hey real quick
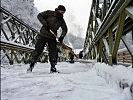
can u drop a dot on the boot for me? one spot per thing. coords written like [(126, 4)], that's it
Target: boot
[(53, 69)]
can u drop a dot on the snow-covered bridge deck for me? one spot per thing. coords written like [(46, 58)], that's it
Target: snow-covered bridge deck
[(78, 81)]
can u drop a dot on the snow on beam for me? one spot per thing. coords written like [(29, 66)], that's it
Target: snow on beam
[(4, 21), (129, 11)]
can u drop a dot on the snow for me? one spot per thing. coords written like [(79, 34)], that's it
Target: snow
[(125, 49), (130, 10), (106, 46), (23, 9), (77, 51), (78, 81)]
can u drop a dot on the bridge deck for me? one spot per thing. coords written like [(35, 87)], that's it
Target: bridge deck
[(76, 81)]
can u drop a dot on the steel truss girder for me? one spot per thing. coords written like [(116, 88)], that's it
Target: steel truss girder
[(105, 28), (17, 40)]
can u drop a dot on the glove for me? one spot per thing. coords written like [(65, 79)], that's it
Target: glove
[(61, 39)]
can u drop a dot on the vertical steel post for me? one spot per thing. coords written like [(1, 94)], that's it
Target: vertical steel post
[(118, 36)]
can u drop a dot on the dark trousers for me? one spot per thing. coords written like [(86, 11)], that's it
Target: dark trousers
[(39, 47)]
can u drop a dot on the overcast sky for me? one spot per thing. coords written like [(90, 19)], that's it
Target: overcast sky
[(77, 13)]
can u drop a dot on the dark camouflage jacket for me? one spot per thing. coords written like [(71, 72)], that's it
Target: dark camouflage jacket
[(54, 20)]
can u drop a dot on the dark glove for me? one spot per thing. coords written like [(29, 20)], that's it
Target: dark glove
[(61, 39)]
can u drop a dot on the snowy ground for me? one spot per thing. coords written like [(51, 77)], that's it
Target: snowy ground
[(78, 81)]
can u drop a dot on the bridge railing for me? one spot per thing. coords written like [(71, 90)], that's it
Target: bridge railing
[(109, 22), (17, 40)]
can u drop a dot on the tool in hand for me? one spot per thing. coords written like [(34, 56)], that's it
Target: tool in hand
[(64, 44)]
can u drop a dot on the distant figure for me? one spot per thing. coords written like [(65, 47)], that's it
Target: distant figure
[(71, 57), (81, 54), (50, 20)]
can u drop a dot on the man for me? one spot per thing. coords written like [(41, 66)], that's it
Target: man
[(51, 21), (81, 54), (71, 55)]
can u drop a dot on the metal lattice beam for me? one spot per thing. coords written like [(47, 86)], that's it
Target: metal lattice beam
[(111, 20)]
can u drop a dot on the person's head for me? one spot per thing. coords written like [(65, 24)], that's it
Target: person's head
[(61, 9)]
